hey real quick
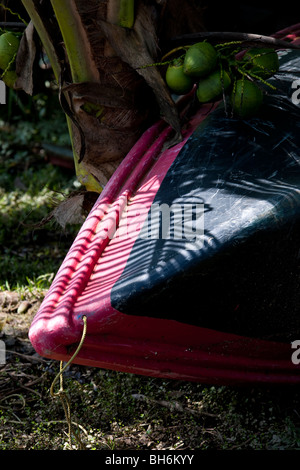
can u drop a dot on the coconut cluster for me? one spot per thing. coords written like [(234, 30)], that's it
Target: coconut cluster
[(216, 74), (9, 45)]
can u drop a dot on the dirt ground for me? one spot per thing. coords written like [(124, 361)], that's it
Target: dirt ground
[(116, 411)]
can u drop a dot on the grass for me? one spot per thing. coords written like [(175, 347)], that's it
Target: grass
[(111, 410), (29, 189)]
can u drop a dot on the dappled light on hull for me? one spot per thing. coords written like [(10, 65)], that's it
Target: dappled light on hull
[(206, 309)]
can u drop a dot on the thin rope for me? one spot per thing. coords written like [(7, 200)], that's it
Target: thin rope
[(62, 394)]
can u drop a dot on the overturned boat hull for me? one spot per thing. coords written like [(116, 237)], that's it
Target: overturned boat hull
[(186, 267)]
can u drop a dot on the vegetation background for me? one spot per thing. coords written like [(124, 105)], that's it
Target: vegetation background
[(109, 410)]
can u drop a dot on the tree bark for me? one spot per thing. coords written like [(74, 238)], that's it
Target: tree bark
[(97, 50)]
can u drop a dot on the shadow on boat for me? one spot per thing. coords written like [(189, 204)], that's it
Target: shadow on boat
[(242, 276)]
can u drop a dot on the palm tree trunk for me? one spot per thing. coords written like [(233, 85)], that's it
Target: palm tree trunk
[(97, 50)]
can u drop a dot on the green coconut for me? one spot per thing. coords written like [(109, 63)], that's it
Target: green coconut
[(211, 88), (9, 78), (263, 62), (176, 79), (9, 45), (200, 59), (246, 98)]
